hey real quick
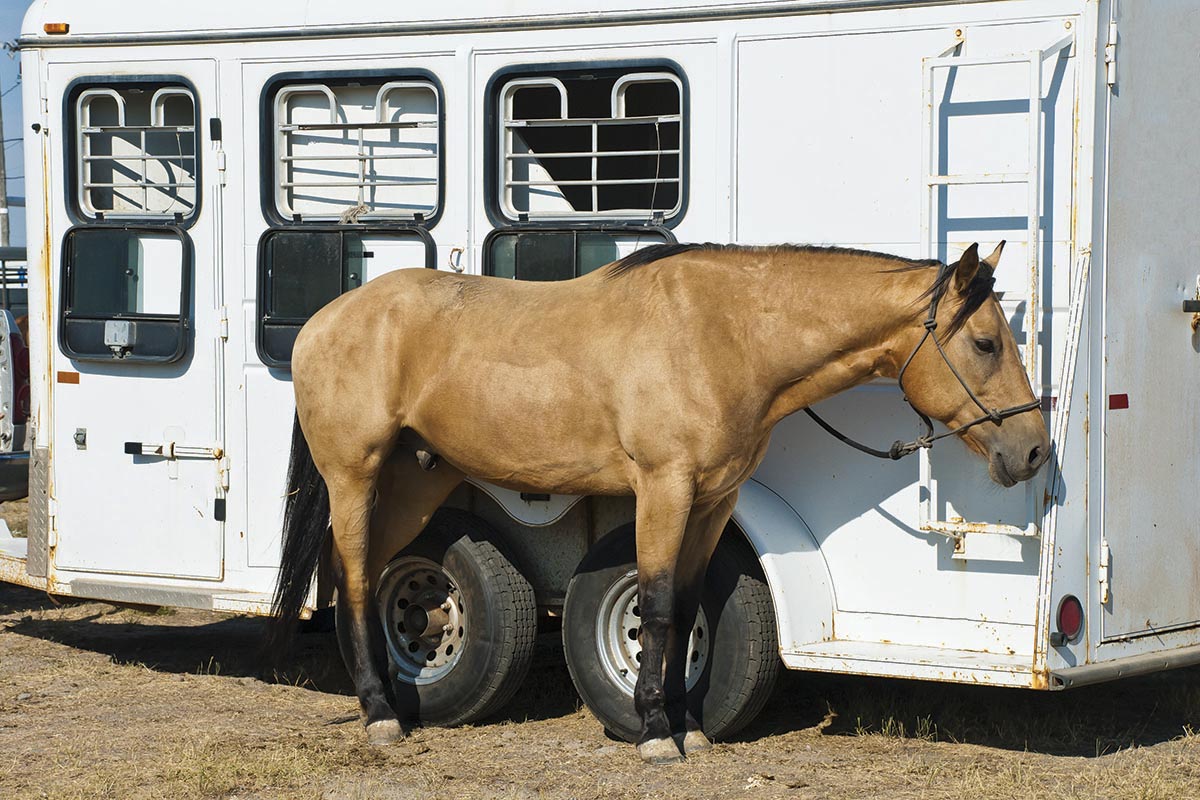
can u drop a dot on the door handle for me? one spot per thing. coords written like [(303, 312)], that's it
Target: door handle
[(172, 450)]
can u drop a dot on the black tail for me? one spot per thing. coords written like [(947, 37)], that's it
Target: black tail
[(305, 526)]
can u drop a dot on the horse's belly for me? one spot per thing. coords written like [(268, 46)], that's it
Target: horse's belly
[(528, 433)]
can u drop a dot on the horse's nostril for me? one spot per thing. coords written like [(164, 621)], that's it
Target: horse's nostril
[(1033, 455)]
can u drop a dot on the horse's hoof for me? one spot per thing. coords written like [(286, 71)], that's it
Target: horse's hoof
[(385, 731), (659, 751), (695, 741)]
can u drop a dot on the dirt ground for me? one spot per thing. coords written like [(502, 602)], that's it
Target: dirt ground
[(104, 702)]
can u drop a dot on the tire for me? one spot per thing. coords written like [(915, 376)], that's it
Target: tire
[(734, 665), (479, 618)]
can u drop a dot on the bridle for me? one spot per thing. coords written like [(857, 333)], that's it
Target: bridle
[(901, 449)]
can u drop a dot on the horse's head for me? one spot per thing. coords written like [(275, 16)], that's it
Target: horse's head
[(978, 342)]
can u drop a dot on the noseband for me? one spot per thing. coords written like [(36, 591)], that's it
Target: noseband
[(901, 449)]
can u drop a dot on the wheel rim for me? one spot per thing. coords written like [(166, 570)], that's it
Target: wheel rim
[(618, 624), (424, 619)]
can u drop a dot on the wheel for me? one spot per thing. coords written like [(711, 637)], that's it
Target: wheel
[(733, 647), (459, 622)]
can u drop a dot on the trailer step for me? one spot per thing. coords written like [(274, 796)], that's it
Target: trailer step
[(913, 661), (199, 597)]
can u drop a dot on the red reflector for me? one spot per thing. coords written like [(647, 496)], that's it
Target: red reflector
[(1116, 401), (1070, 617)]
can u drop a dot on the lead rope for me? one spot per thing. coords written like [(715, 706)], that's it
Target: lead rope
[(900, 449)]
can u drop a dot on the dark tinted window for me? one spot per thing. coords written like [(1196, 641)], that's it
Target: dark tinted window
[(302, 270), (114, 275), (540, 255)]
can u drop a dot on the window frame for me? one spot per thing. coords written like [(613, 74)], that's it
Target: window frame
[(182, 321), (494, 133), (488, 267), (267, 141), (73, 175), (262, 320)]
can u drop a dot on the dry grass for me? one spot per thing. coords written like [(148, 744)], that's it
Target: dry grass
[(102, 703)]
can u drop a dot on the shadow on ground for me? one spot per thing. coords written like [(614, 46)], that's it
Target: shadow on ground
[(192, 643), (1088, 722)]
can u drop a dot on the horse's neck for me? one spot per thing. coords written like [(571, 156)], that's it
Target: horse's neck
[(837, 322)]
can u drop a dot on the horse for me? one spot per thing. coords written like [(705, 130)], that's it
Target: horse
[(660, 375)]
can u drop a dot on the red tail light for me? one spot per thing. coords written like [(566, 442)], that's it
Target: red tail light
[(20, 362), (1070, 618)]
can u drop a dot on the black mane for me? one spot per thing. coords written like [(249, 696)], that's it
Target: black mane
[(976, 294), (658, 252)]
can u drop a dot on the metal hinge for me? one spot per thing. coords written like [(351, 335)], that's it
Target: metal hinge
[(1110, 56), (1105, 557), (52, 521), (223, 323), (221, 166)]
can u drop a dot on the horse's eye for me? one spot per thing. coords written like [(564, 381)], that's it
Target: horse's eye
[(985, 345)]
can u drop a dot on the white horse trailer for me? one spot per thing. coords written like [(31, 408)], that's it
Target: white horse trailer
[(210, 175)]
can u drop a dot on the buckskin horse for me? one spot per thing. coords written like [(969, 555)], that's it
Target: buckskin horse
[(661, 375)]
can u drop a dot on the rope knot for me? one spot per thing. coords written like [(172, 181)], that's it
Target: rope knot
[(931, 325)]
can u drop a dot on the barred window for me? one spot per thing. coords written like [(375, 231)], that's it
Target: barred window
[(135, 151), (603, 144), (354, 150)]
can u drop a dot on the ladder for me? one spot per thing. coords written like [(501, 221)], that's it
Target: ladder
[(931, 236)]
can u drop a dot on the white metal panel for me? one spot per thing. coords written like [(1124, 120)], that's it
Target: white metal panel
[(840, 175), (1152, 352)]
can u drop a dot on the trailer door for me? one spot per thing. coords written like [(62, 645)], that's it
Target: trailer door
[(137, 370), (1149, 559)]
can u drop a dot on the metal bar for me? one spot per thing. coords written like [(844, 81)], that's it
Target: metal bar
[(385, 157), (599, 153), (1126, 667), (172, 157), (1034, 496), (978, 61), (359, 126), (145, 190), (957, 529), (357, 184), (139, 185), (362, 167), (579, 122), (925, 486), (595, 170), (138, 128), (978, 179), (607, 182)]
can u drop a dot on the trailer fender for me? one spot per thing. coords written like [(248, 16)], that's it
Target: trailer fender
[(534, 510), (795, 568)]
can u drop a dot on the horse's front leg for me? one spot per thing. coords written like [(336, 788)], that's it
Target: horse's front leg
[(704, 528), (663, 505), (358, 628)]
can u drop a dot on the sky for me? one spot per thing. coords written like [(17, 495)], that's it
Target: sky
[(11, 13)]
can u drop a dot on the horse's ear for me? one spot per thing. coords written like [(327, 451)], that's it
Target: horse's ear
[(966, 268), (994, 259)]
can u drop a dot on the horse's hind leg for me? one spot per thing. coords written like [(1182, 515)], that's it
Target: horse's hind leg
[(663, 506), (705, 526), (350, 501), (406, 497)]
